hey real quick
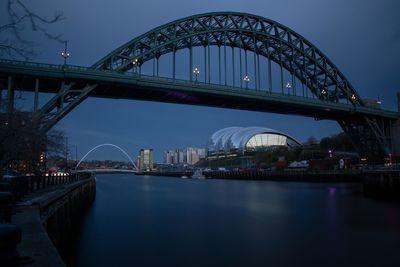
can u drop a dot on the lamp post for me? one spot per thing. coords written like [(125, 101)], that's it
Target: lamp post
[(65, 54), (135, 63), (72, 153), (196, 73), (247, 80), (288, 87)]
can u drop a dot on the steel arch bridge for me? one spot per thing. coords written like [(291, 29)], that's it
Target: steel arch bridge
[(239, 54)]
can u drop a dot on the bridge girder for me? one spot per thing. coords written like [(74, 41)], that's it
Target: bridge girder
[(370, 135), (244, 31), (62, 103)]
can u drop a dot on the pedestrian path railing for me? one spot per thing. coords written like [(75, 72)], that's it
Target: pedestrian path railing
[(23, 185)]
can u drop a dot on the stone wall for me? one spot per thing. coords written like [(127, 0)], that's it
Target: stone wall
[(61, 217), (46, 220), (396, 138), (395, 131)]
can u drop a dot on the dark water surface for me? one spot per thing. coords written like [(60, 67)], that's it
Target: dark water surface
[(160, 221)]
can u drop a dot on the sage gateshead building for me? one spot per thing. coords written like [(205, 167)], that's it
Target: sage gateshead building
[(233, 141)]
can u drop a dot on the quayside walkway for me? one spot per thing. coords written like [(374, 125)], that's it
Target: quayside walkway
[(45, 209)]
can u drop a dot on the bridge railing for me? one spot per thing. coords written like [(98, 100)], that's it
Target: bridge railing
[(310, 99), (23, 185), (235, 89), (175, 81), (42, 65)]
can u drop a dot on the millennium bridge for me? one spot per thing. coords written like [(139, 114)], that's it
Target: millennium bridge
[(222, 59)]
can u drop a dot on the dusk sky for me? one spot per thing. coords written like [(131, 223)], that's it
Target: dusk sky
[(362, 37)]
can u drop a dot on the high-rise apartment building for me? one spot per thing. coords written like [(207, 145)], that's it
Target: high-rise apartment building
[(145, 159), (190, 155)]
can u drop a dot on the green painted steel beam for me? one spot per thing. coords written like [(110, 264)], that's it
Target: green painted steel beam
[(316, 67), (107, 78)]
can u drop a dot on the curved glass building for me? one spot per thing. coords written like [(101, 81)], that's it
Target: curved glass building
[(242, 139)]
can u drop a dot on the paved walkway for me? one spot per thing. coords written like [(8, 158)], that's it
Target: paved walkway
[(35, 243)]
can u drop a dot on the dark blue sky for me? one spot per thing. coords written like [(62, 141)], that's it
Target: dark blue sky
[(362, 37)]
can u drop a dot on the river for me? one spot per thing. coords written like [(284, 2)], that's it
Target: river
[(165, 221)]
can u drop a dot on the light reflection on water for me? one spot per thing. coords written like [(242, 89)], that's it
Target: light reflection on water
[(159, 221)]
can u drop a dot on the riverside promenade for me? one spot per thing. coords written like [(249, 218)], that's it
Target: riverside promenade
[(44, 215)]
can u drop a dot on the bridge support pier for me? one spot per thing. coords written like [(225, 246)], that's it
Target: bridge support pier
[(371, 136), (396, 138), (395, 129)]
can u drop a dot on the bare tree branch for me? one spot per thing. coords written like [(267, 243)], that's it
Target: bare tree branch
[(20, 19)]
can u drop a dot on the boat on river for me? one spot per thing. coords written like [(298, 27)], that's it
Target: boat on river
[(198, 174)]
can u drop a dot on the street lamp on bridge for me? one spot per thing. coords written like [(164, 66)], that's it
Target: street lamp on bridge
[(135, 63), (196, 73), (65, 54), (288, 87), (247, 80)]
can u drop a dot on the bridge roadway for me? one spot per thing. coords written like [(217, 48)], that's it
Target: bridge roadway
[(112, 84)]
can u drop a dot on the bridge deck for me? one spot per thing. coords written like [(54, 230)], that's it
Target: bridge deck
[(112, 84)]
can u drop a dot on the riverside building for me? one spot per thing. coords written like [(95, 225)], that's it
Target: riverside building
[(145, 159), (234, 141), (189, 155)]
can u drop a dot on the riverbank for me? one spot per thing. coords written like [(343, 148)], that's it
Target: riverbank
[(378, 183), (347, 175), (45, 218)]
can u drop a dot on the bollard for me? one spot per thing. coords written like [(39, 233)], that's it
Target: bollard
[(6, 204), (10, 237)]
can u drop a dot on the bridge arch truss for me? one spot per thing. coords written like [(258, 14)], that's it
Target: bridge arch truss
[(250, 34)]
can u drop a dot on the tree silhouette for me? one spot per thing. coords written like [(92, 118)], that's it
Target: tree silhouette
[(20, 18), (20, 138)]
